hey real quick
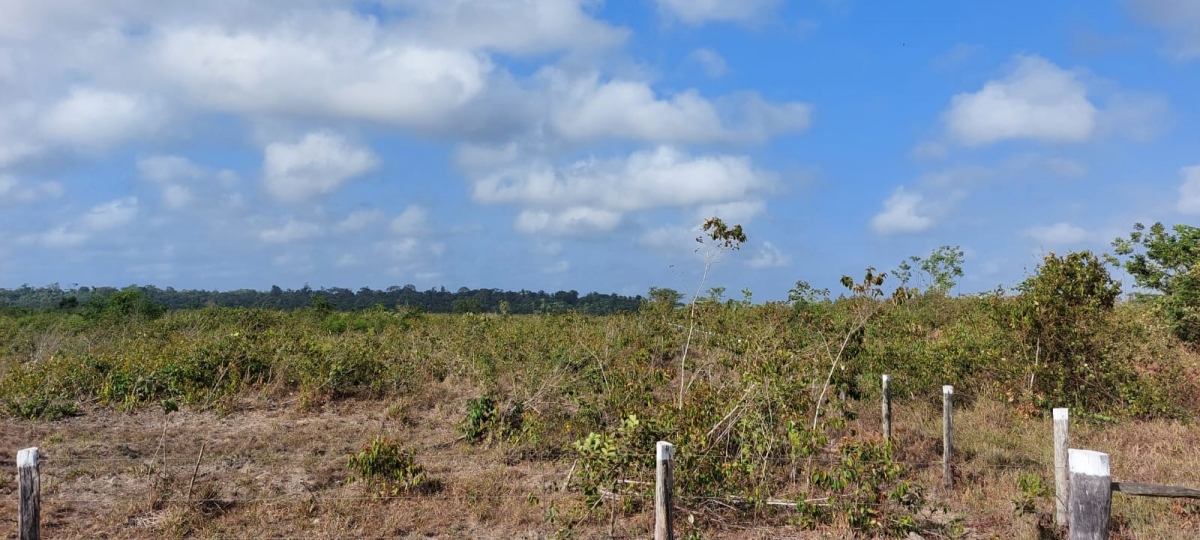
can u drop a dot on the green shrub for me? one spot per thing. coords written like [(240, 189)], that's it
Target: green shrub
[(389, 469), (1063, 317)]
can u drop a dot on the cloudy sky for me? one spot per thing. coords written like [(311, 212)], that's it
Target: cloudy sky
[(578, 144)]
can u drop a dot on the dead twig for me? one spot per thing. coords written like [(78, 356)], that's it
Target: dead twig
[(195, 470)]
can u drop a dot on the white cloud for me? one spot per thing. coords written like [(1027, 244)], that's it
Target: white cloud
[(317, 165), (769, 256), (12, 190), (575, 220), (696, 12), (593, 194), (661, 177), (1189, 191), (1179, 18), (410, 252), (59, 237), (1059, 234), (710, 61), (14, 152), (95, 118), (109, 215), (176, 197), (410, 222), (290, 231), (902, 213), (185, 184), (358, 220), (165, 169), (671, 237), (341, 66), (586, 108), (1036, 100), (100, 218), (736, 212), (512, 26)]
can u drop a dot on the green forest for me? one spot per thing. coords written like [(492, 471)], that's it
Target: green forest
[(439, 300)]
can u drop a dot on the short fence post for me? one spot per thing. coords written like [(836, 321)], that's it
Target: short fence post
[(664, 486), (887, 408), (1062, 478), (1091, 495), (947, 435), (29, 485)]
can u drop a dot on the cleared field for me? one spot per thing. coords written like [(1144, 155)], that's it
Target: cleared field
[(234, 423)]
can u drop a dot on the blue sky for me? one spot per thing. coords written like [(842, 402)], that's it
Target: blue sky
[(579, 144)]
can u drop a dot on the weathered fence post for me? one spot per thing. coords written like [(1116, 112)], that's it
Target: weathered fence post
[(664, 486), (1091, 495), (29, 500), (947, 435), (1062, 478), (887, 407)]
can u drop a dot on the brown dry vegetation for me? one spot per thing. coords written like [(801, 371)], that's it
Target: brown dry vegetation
[(279, 401), (273, 470)]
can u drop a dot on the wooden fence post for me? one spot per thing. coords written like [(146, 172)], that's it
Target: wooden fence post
[(1091, 494), (1062, 478), (887, 407), (29, 500), (664, 486), (947, 435)]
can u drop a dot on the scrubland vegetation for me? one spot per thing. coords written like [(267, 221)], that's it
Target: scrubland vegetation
[(468, 425)]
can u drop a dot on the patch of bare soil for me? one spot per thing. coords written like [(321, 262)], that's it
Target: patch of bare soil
[(274, 471)]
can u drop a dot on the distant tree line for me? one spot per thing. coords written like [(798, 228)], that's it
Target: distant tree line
[(439, 300)]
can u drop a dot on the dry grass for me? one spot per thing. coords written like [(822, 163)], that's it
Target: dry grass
[(273, 469)]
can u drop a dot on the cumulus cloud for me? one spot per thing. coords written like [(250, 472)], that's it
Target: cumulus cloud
[(1179, 18), (410, 222), (358, 220), (14, 152), (1038, 100), (671, 237), (109, 215), (316, 165), (769, 256), (166, 169), (176, 196), (96, 118), (410, 253), (1189, 191), (1035, 100), (730, 212), (290, 231), (1058, 234), (697, 12), (710, 61), (574, 220), (588, 108), (593, 194), (903, 212), (100, 218), (184, 183), (340, 67), (512, 26), (13, 190)]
